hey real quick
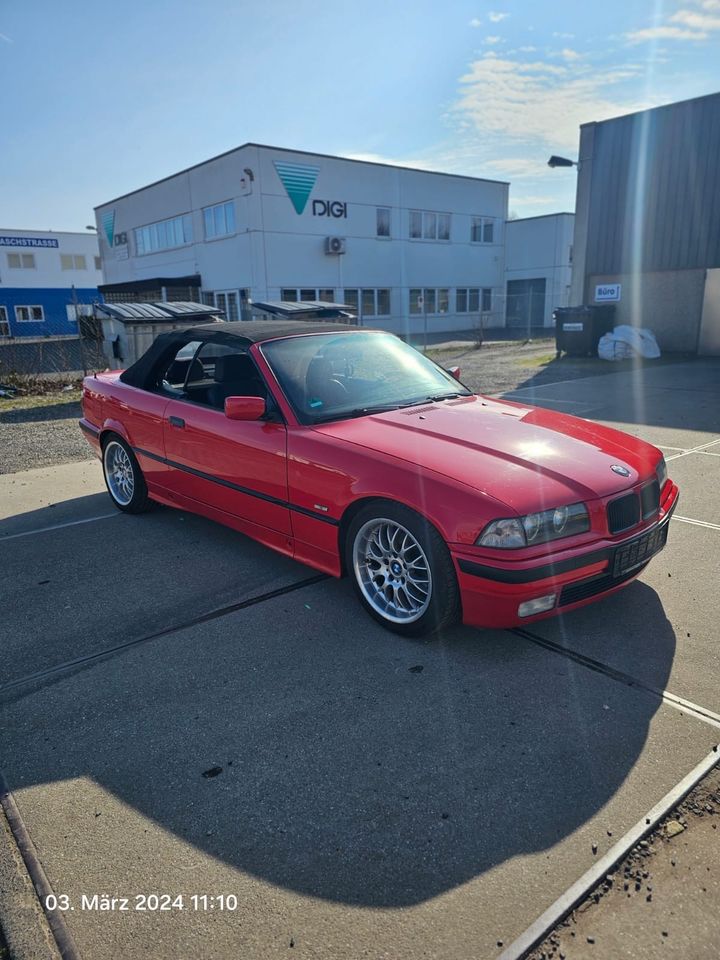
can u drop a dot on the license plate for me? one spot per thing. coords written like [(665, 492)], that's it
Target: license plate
[(638, 551)]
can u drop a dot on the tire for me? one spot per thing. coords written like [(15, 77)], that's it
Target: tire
[(123, 477), (401, 569)]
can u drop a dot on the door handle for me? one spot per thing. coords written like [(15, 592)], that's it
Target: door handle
[(176, 422)]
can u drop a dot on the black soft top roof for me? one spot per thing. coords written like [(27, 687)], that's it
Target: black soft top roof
[(166, 345)]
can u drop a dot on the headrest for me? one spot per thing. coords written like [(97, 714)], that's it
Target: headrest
[(234, 366), (319, 370)]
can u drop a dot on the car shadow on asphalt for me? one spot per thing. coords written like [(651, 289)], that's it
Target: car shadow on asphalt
[(299, 742)]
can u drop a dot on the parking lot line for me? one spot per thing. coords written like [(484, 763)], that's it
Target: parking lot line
[(699, 449), (548, 920), (698, 523), (671, 699), (59, 526)]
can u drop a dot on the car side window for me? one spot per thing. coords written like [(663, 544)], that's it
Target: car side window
[(176, 373), (216, 371)]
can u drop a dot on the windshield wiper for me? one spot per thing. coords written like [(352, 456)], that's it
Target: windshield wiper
[(448, 396), (360, 412)]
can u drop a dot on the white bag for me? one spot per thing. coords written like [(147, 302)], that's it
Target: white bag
[(626, 342)]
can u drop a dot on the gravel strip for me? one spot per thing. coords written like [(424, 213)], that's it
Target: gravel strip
[(41, 436)]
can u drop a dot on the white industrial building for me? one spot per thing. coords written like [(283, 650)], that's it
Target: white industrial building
[(538, 268), (263, 223)]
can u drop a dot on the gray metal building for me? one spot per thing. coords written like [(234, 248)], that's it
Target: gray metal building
[(647, 224)]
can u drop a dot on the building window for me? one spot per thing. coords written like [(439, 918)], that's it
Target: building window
[(308, 295), (383, 221), (351, 300), (225, 300), (482, 230), (163, 235), (426, 225), (4, 323), (21, 261), (73, 261), (29, 314), (486, 300), (429, 300), (369, 302), (219, 220), (467, 300), (383, 302)]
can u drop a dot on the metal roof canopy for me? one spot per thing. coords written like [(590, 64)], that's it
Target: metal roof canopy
[(160, 312), (296, 308)]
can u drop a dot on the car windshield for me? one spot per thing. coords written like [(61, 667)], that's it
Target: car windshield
[(334, 377)]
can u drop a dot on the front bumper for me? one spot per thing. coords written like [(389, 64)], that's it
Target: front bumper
[(492, 592)]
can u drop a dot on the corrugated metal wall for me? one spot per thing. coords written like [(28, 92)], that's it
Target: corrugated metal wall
[(655, 190)]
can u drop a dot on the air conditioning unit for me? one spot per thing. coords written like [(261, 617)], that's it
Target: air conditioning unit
[(335, 245)]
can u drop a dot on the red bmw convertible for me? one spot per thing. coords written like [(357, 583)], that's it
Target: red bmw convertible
[(350, 451)]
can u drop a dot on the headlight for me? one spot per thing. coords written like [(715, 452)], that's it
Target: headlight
[(661, 472), (536, 527)]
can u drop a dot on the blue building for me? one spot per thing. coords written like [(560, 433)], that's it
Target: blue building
[(47, 279)]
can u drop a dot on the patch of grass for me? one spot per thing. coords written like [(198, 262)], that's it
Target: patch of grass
[(542, 361), (32, 401)]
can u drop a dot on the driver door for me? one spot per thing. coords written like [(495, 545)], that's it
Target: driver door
[(238, 468)]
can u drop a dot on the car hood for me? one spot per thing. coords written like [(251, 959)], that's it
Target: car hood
[(527, 457)]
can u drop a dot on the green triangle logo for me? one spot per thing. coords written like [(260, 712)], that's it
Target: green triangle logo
[(298, 180), (108, 222)]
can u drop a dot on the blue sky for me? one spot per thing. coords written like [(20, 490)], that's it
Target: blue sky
[(101, 98)]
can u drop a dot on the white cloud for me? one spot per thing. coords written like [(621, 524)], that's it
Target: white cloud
[(527, 49), (568, 36), (534, 200), (5, 38), (538, 102), (696, 21), (492, 41), (475, 22), (664, 33), (684, 24), (495, 17), (569, 55)]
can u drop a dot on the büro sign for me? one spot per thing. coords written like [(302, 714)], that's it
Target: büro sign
[(606, 292)]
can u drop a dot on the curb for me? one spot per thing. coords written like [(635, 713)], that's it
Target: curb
[(564, 905), (24, 924)]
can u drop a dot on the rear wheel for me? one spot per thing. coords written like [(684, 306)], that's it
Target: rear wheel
[(123, 476), (402, 570)]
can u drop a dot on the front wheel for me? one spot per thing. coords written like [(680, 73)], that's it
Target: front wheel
[(401, 570), (123, 477)]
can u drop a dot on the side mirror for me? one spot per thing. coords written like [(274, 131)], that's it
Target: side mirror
[(244, 408), (454, 372)]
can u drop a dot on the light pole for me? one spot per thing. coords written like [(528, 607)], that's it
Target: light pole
[(562, 162)]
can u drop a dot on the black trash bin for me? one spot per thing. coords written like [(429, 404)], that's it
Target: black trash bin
[(578, 329)]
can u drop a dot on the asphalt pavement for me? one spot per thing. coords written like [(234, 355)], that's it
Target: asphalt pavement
[(187, 714)]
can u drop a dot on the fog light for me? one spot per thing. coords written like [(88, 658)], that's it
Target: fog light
[(540, 605)]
